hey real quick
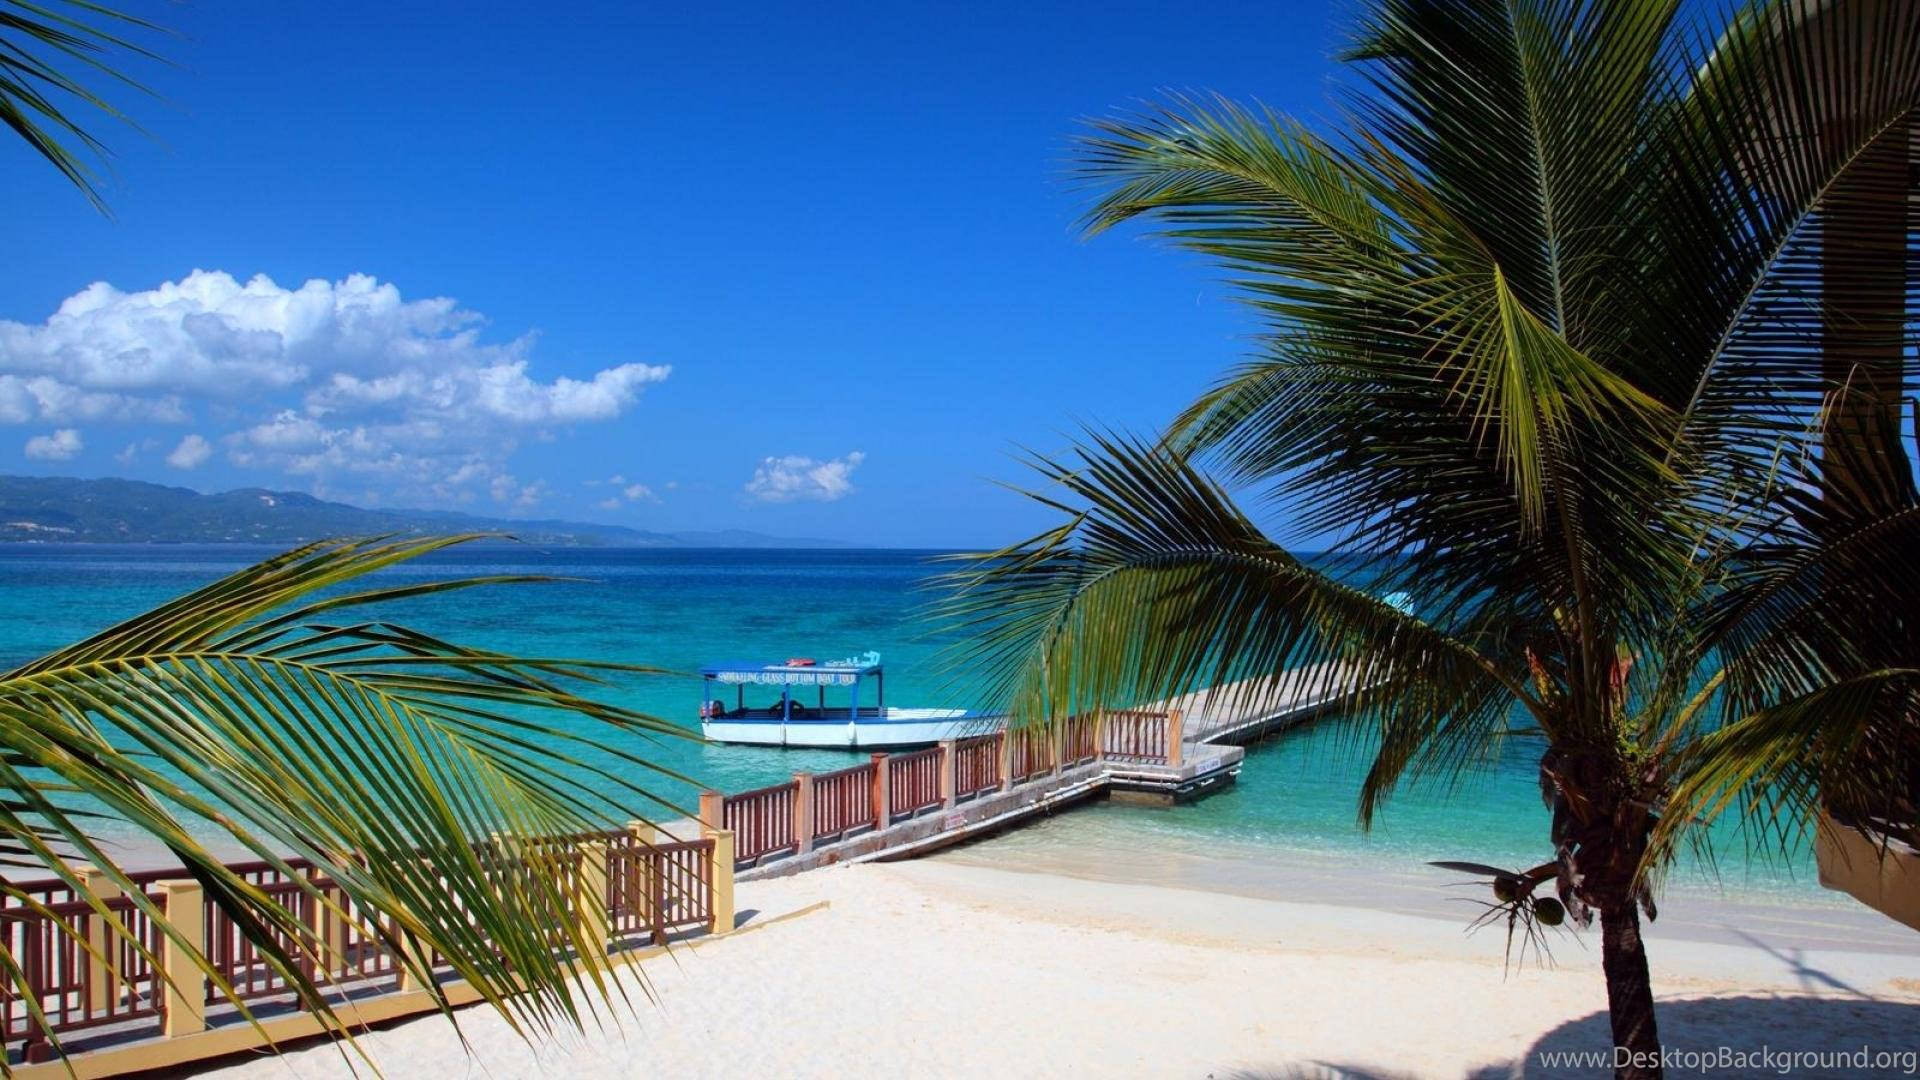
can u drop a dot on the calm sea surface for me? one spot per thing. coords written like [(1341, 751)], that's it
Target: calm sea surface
[(678, 609)]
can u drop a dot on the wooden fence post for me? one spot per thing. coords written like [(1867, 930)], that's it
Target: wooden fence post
[(802, 812), (1057, 744), (1006, 759), (1176, 737), (882, 810), (103, 975), (721, 872), (713, 810), (949, 774), (590, 906), (183, 984)]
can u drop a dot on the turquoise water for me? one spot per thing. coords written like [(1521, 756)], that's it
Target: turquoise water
[(677, 609)]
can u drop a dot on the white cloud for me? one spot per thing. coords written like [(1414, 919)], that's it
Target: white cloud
[(193, 452), (792, 478), (329, 381), (628, 493), (43, 397), (58, 446), (506, 489)]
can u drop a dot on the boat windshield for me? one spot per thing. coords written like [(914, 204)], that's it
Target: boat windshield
[(791, 679)]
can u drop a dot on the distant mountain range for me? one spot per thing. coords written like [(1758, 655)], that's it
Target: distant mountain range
[(62, 509)]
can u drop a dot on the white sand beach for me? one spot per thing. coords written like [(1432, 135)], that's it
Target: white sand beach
[(950, 967)]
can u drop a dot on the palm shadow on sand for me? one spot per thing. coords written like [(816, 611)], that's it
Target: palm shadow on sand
[(1781, 1023)]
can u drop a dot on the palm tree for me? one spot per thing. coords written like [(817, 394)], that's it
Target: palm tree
[(269, 710), (1547, 348)]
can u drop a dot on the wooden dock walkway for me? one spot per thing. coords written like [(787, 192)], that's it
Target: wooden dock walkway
[(1234, 714), (895, 806)]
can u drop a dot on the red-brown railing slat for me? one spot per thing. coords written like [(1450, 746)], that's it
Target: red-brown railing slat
[(913, 782)]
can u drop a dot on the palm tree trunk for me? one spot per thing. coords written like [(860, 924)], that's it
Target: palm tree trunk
[(1623, 955)]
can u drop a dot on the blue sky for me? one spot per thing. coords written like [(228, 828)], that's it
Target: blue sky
[(807, 270)]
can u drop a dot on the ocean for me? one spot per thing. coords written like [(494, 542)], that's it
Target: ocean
[(677, 609)]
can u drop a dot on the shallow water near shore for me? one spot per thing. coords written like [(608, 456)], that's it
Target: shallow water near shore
[(677, 609)]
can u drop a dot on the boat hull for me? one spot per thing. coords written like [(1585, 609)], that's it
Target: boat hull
[(864, 734)]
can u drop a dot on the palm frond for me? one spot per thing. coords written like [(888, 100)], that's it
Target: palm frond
[(1160, 587), (47, 51), (398, 762)]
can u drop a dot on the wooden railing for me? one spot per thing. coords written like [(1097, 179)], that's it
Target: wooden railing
[(1079, 741), (761, 821), (976, 765), (843, 801), (1148, 737), (656, 889), (74, 989), (85, 977), (787, 819), (1029, 753), (913, 782)]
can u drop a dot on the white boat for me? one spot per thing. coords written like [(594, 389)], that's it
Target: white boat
[(803, 715)]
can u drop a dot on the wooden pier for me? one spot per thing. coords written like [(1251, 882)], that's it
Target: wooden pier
[(895, 806), (127, 1010)]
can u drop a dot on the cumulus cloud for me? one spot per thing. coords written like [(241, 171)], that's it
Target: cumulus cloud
[(626, 492), (793, 478), (56, 446), (506, 489), (332, 380), (193, 452)]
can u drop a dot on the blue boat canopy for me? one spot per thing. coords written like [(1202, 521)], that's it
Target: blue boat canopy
[(782, 673)]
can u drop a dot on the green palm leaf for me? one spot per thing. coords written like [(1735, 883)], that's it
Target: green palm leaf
[(47, 51), (398, 762)]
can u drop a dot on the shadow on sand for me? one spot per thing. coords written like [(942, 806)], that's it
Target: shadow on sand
[(1781, 1024)]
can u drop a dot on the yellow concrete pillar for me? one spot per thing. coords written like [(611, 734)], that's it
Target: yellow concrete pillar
[(722, 874), (882, 804), (333, 917), (411, 951), (803, 811), (713, 810), (590, 901), (103, 975), (949, 774), (183, 985)]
